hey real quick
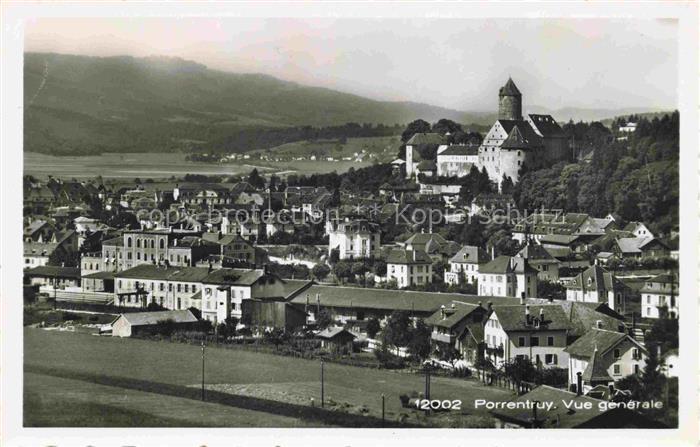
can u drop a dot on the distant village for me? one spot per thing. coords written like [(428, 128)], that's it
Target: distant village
[(577, 294)]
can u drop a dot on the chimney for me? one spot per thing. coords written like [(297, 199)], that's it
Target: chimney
[(414, 254), (541, 315), (211, 267), (493, 253), (599, 324), (479, 303), (579, 384), (489, 305), (611, 388), (175, 242), (527, 314), (442, 311), (522, 297)]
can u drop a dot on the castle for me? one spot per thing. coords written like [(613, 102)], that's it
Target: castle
[(511, 142)]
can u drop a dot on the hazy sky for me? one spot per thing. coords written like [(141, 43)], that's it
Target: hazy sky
[(455, 63)]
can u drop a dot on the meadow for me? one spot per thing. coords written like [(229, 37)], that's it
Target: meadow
[(146, 383)]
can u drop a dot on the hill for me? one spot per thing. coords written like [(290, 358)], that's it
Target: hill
[(86, 105)]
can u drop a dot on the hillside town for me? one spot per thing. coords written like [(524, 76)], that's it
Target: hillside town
[(479, 257)]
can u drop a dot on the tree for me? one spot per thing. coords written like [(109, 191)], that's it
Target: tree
[(506, 185), (227, 328), (373, 327), (64, 258), (379, 267), (255, 179), (397, 331), (419, 344), (520, 369), (444, 126), (417, 126), (342, 270), (320, 271), (324, 319)]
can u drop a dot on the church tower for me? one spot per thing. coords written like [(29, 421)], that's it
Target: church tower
[(510, 102)]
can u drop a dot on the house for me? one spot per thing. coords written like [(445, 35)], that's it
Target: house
[(541, 260), (603, 357), (597, 285), (538, 333), (264, 315), (460, 325), (638, 229), (53, 276), (336, 339), (637, 247), (543, 407), (137, 323), (507, 276), (234, 247), (354, 239), (463, 267), (241, 293), (660, 297), (413, 156), (188, 250), (174, 288), (436, 246), (457, 160), (538, 225), (409, 267)]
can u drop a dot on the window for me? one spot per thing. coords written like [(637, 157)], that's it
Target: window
[(550, 341), (635, 353), (187, 288), (194, 288), (161, 287), (128, 242), (616, 353), (138, 243), (534, 341), (162, 244), (179, 289), (521, 341), (153, 243), (550, 359), (636, 369), (616, 369), (170, 287)]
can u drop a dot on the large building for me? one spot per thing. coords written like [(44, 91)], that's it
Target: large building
[(597, 285), (514, 140), (354, 239), (508, 276), (409, 267), (660, 297)]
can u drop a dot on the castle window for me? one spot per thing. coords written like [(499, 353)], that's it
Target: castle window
[(518, 153)]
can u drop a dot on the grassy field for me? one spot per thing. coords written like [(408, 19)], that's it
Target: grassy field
[(85, 371), (384, 147)]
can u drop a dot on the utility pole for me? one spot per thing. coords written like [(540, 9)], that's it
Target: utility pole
[(427, 383), (383, 419), (322, 393), (203, 346)]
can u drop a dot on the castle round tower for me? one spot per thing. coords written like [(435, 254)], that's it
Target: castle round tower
[(510, 102)]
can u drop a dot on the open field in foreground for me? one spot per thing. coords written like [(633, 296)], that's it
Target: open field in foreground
[(104, 381)]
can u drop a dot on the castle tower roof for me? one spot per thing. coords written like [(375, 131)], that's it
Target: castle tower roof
[(509, 89)]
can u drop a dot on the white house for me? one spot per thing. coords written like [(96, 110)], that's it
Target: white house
[(463, 267), (603, 357), (409, 267), (660, 297), (457, 160), (538, 333), (597, 285), (354, 239), (507, 276)]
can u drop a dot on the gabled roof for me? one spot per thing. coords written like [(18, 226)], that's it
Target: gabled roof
[(469, 255), (601, 339), (401, 256), (228, 276), (595, 278), (334, 332), (536, 252), (546, 125), (151, 318), (507, 264), (512, 318), (525, 130), (509, 89), (515, 140), (453, 313), (586, 316), (595, 370), (425, 138), (636, 244)]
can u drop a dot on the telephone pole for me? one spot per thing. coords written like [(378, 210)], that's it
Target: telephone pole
[(203, 346)]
